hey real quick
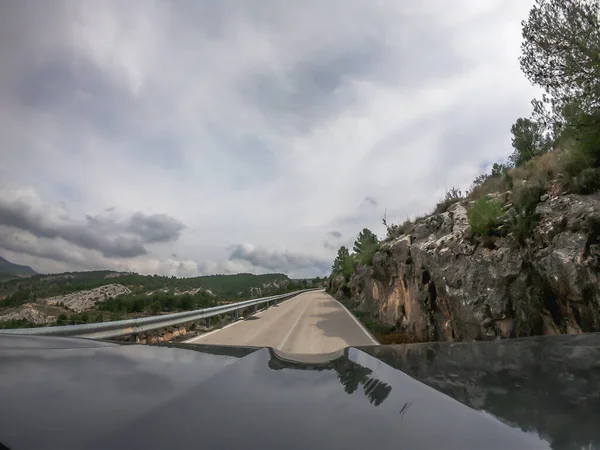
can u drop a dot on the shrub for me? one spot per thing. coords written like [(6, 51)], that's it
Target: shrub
[(484, 216), (366, 256), (349, 265), (587, 182), (62, 320), (395, 337), (490, 185), (18, 298), (543, 168), (452, 196), (573, 160), (17, 323), (525, 201), (155, 307)]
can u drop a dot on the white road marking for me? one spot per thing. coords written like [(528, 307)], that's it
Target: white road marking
[(300, 316), (194, 339), (362, 327)]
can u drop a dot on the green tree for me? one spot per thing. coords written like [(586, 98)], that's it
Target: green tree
[(155, 308), (348, 267), (338, 262), (365, 239), (498, 169), (365, 246), (528, 140), (560, 53), (62, 319)]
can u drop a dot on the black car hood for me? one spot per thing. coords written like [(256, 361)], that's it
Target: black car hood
[(58, 393)]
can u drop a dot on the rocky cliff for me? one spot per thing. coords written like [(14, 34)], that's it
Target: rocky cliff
[(439, 282)]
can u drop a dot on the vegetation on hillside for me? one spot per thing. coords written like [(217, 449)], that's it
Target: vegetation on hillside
[(558, 147), (554, 151), (150, 295), (232, 287), (364, 249)]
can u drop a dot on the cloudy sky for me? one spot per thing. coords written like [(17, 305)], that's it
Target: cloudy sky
[(192, 137)]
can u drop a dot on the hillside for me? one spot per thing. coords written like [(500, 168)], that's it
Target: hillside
[(519, 254), (81, 297), (10, 270)]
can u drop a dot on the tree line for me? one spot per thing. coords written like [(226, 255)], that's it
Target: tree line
[(364, 249), (560, 53)]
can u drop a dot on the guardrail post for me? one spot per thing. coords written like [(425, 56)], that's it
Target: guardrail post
[(208, 322), (255, 308), (236, 314)]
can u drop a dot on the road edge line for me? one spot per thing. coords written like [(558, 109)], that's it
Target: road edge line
[(367, 332)]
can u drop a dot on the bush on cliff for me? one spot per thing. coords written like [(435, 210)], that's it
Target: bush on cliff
[(452, 196), (587, 182), (525, 200), (484, 216)]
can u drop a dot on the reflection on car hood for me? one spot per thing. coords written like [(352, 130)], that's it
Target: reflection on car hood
[(76, 393)]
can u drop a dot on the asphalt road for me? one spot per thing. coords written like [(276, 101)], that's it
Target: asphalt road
[(310, 323)]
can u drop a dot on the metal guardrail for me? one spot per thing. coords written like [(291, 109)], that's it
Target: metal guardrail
[(105, 330)]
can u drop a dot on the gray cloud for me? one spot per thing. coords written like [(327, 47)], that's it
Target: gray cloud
[(329, 246), (126, 238), (269, 108), (369, 201), (154, 228), (14, 242), (278, 260)]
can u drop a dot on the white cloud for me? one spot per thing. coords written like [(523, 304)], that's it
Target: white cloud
[(259, 121)]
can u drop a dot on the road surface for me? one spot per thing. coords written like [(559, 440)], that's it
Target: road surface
[(310, 323)]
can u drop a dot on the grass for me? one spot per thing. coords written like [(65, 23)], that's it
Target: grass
[(491, 185), (587, 182), (452, 196), (385, 334)]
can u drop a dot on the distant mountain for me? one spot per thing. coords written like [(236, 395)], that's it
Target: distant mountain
[(8, 269)]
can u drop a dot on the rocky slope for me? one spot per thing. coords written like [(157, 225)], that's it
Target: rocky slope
[(440, 283), (29, 313), (86, 300)]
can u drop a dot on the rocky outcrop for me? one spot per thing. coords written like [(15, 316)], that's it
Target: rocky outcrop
[(29, 313), (267, 288), (440, 283), (86, 300)]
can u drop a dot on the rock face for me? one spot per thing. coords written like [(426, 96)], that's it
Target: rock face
[(439, 283), (266, 288), (29, 313), (85, 300)]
